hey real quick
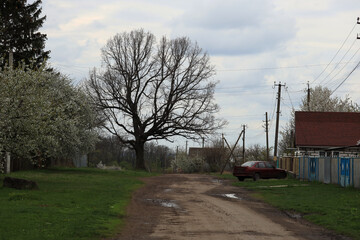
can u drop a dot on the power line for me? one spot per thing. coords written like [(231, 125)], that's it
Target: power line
[(335, 54), (71, 66), (242, 116), (357, 65), (273, 111), (338, 64), (275, 68), (331, 80), (242, 93), (286, 89)]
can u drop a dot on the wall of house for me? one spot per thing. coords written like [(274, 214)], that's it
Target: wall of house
[(324, 169)]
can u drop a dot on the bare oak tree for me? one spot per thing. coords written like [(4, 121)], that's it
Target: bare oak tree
[(151, 91)]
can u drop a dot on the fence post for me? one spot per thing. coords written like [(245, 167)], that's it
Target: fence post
[(352, 172), (338, 171), (8, 165), (303, 167), (317, 168)]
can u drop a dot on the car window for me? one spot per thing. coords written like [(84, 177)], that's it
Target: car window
[(248, 164), (261, 165), (268, 165)]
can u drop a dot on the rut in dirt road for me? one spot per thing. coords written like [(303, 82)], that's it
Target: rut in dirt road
[(201, 207)]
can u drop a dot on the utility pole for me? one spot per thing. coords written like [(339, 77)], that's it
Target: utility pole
[(231, 152), (267, 136), (186, 147), (308, 96), (277, 118), (203, 142), (222, 141), (244, 126)]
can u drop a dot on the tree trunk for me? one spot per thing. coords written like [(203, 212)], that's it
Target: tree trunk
[(140, 160)]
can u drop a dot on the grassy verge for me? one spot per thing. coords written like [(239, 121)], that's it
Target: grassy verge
[(71, 204), (328, 205)]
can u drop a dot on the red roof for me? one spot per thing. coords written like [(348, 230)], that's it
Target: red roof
[(327, 129)]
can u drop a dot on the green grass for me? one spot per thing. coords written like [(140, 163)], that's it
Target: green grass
[(328, 205), (70, 204)]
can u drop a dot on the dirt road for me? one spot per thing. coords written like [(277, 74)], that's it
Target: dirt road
[(181, 206)]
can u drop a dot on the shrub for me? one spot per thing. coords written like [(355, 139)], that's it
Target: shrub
[(186, 164), (126, 165)]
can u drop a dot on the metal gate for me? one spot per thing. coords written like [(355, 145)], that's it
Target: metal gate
[(345, 172), (313, 169)]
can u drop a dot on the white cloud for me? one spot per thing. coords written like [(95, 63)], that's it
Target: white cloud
[(252, 43), (236, 27)]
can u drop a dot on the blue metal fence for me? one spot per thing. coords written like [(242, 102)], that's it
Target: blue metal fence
[(344, 171)]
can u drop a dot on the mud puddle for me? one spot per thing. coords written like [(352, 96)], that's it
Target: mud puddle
[(284, 186), (164, 203), (229, 195), (216, 181)]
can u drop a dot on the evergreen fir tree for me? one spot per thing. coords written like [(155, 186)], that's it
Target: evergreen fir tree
[(19, 25)]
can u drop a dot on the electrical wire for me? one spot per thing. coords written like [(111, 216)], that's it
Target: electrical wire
[(330, 81), (357, 65), (273, 111), (335, 54), (275, 68), (292, 105), (340, 61)]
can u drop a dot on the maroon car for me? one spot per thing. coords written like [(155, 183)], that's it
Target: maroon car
[(257, 170)]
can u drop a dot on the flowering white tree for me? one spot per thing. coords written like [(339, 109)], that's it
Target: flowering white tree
[(43, 116)]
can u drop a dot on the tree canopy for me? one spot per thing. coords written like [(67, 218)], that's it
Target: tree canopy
[(42, 116), (152, 90), (19, 25)]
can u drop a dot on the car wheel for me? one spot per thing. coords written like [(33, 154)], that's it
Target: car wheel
[(241, 179), (256, 177)]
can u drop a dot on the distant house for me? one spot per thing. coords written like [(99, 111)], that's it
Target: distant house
[(197, 152), (205, 152), (327, 133)]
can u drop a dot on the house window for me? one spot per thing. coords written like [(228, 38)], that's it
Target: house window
[(322, 154)]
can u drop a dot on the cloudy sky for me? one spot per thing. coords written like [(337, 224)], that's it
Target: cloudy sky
[(252, 43)]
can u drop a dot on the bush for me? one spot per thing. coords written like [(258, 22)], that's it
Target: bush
[(186, 164), (126, 165)]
